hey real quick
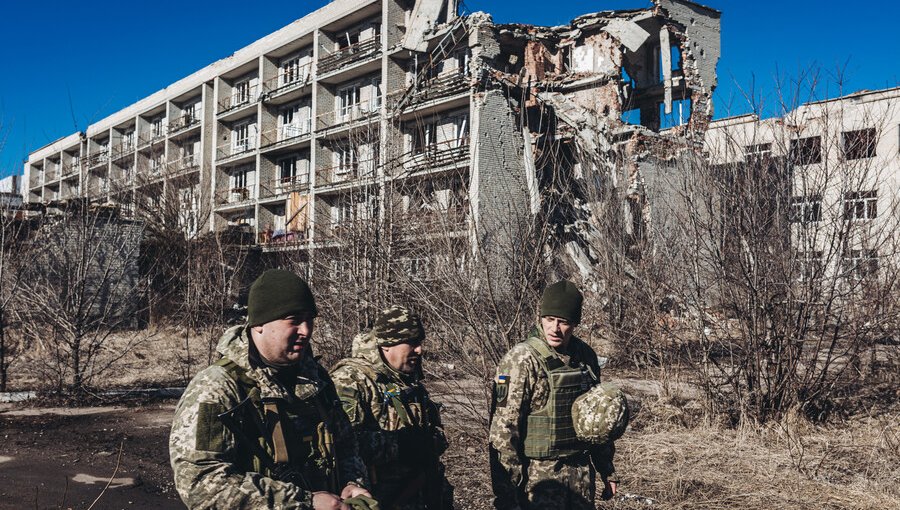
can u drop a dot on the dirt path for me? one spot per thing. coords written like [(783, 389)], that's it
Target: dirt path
[(62, 458)]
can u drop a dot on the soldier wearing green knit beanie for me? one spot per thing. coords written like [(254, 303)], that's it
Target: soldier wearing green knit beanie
[(267, 372), (537, 460)]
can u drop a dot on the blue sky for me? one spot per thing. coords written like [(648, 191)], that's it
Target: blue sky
[(68, 64)]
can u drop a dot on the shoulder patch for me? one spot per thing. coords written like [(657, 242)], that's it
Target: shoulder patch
[(501, 390), (210, 429)]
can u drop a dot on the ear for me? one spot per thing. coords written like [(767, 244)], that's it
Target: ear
[(257, 329)]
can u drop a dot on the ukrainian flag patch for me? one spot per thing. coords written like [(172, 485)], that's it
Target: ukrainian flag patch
[(502, 379)]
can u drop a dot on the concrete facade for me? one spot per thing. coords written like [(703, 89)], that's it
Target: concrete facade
[(839, 161), (320, 124)]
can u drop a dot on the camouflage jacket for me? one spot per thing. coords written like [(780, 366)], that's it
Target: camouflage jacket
[(209, 462), (384, 406), (525, 390)]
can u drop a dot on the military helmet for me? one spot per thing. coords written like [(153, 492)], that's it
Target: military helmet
[(600, 415)]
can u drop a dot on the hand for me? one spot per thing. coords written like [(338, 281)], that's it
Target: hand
[(351, 491), (609, 490), (327, 501)]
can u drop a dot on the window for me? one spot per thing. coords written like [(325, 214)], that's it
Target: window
[(287, 169), (806, 209), (759, 150), (859, 144), (242, 141), (290, 71), (190, 113), (155, 162), (806, 151), (348, 101), (860, 264), (241, 92), (345, 159), (347, 39), (239, 179), (375, 94), (424, 137), (809, 266), (157, 127), (128, 140), (861, 205)]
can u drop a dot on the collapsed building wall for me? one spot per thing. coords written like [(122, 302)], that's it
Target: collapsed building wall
[(601, 107)]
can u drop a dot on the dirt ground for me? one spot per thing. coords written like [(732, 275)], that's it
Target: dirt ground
[(55, 456), (60, 458)]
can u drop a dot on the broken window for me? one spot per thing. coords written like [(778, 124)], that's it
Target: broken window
[(861, 205), (806, 209), (859, 144), (806, 151), (424, 137)]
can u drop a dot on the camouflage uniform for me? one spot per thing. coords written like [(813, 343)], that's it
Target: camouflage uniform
[(394, 419), (215, 469), (521, 389)]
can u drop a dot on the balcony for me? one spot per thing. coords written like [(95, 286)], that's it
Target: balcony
[(184, 122), (51, 173), (353, 53), (433, 221), (238, 98), (346, 172), (346, 230), (282, 238), (286, 82), (97, 160), (122, 150), (285, 135), (438, 154), (365, 110), (235, 196), (285, 185), (184, 165), (71, 168), (151, 138), (439, 87), (233, 150)]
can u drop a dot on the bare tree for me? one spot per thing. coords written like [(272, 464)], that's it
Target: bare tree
[(80, 287)]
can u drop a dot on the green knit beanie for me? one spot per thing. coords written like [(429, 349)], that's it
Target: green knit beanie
[(277, 294), (563, 300)]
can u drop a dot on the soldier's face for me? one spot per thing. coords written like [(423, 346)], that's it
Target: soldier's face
[(405, 358), (557, 331), (284, 341)]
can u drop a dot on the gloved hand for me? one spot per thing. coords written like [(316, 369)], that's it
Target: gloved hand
[(362, 503)]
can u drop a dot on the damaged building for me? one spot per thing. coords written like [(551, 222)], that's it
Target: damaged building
[(410, 110)]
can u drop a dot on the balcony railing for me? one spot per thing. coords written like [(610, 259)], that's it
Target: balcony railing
[(440, 86), (72, 167), (344, 230), (343, 115), (345, 173), (185, 164), (285, 185), (98, 159), (282, 237), (185, 121), (239, 195), (431, 221), (353, 53), (238, 98), (232, 149), (286, 82), (122, 150), (439, 154), (286, 133), (152, 137)]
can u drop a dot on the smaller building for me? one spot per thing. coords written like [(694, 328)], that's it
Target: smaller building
[(11, 192)]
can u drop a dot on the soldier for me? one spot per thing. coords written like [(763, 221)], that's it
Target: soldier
[(537, 462), (263, 427), (396, 422)]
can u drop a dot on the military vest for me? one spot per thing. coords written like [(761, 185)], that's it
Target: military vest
[(550, 433), (286, 440), (401, 406)]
